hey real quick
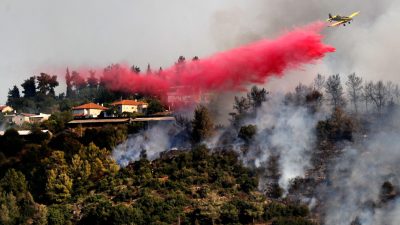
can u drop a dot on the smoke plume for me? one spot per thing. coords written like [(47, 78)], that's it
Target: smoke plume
[(357, 191), (149, 143), (287, 130)]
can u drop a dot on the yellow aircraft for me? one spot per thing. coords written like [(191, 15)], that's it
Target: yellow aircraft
[(339, 20)]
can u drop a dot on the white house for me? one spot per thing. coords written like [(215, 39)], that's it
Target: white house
[(89, 110), (20, 119), (131, 106)]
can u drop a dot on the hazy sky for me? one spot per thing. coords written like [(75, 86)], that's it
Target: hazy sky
[(48, 35)]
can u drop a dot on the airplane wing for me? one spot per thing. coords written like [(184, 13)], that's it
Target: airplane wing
[(354, 14), (337, 23)]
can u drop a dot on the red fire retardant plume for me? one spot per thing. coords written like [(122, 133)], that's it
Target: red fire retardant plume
[(229, 70)]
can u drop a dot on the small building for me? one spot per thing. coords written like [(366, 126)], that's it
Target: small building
[(21, 118), (131, 106), (89, 110), (38, 118), (6, 109), (18, 119)]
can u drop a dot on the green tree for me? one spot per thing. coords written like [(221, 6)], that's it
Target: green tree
[(229, 214), (202, 124), (257, 96), (16, 203), (9, 210), (29, 87), (338, 127), (155, 106), (11, 143), (67, 142), (14, 92), (292, 221), (14, 181), (273, 175), (241, 106), (58, 121), (13, 97), (46, 84), (59, 215), (93, 162), (68, 82), (248, 132), (108, 137), (37, 136), (59, 184)]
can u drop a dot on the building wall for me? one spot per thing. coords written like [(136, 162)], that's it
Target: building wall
[(132, 108), (20, 119), (37, 119), (142, 108), (128, 108), (79, 111), (87, 112), (94, 112)]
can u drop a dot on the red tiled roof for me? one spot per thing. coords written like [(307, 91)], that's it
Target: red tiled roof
[(129, 102), (28, 114), (90, 106), (3, 107)]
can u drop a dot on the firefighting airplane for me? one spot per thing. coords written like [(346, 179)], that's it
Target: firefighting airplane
[(339, 20)]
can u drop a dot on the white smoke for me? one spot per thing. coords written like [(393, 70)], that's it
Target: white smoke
[(289, 130), (357, 179), (3, 123), (153, 141)]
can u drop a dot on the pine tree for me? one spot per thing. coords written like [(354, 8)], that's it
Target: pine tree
[(13, 97), (68, 82), (29, 87), (202, 124), (334, 89)]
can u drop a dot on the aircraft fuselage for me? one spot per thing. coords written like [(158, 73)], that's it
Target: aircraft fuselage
[(341, 18)]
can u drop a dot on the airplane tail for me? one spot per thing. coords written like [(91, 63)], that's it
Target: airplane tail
[(330, 18)]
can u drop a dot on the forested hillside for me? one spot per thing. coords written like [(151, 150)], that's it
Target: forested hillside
[(276, 162)]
